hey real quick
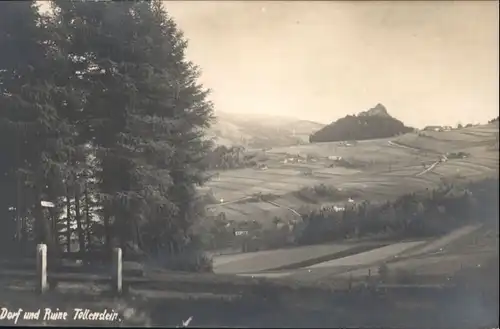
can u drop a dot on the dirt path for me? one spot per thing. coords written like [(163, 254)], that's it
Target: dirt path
[(430, 168), (392, 143)]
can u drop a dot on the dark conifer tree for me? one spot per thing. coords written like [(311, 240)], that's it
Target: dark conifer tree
[(32, 103), (144, 113)]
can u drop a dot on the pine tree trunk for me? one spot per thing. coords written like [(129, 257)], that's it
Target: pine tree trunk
[(24, 233), (55, 233), (107, 232), (68, 219), (23, 213), (138, 235), (172, 248), (53, 222), (19, 223), (78, 217), (87, 214)]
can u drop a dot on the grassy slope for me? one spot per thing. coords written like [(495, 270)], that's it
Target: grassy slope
[(391, 170)]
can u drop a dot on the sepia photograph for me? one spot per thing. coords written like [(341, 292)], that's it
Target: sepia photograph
[(249, 164)]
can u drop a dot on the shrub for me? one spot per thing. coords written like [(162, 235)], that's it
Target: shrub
[(383, 272), (209, 198), (223, 158), (191, 259), (347, 163), (322, 192), (259, 197), (493, 120), (188, 262), (457, 155)]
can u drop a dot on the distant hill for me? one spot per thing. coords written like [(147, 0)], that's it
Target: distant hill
[(371, 124), (260, 131)]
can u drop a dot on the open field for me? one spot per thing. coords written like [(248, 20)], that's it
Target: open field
[(384, 169), (273, 259), (329, 260), (330, 269), (470, 247)]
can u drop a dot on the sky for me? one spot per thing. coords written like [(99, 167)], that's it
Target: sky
[(430, 62)]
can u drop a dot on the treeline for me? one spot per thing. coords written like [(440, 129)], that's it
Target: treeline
[(233, 157), (412, 215), (354, 127), (102, 122), (323, 193)]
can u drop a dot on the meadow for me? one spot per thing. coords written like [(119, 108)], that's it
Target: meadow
[(372, 170)]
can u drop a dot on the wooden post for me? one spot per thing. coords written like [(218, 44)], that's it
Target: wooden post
[(41, 268), (116, 277)]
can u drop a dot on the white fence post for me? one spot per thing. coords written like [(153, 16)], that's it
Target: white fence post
[(117, 271), (41, 268)]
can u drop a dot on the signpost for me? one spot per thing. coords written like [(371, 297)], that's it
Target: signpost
[(238, 233), (47, 204)]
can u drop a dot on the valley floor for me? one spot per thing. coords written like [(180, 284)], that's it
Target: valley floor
[(387, 169)]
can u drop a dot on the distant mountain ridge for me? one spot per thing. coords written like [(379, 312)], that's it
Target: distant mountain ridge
[(260, 130), (371, 124)]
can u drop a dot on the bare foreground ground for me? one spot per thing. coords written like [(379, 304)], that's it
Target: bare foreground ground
[(450, 282)]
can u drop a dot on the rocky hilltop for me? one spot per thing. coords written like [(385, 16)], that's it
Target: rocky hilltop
[(371, 124), (378, 110)]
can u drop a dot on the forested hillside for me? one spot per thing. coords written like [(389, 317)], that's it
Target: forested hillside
[(371, 124)]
